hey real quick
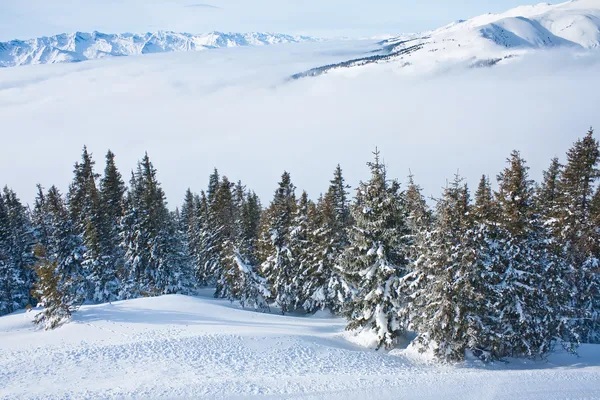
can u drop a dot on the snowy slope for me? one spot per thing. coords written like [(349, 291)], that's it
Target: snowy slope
[(183, 347), (489, 39), (80, 46)]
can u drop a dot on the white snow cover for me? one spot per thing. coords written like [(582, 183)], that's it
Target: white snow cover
[(80, 46), (202, 348), (490, 39)]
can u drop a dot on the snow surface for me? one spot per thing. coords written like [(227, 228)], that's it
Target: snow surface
[(81, 46), (489, 39), (185, 347)]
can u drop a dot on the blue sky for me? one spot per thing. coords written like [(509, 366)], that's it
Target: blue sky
[(30, 18)]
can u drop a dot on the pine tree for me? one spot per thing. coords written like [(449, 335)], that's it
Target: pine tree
[(54, 291), (324, 285), (377, 256), (300, 250), (226, 235), (6, 271), (16, 253), (218, 208), (578, 234), (80, 191), (278, 266), (444, 307), (112, 192), (147, 234), (63, 254), (242, 277), (529, 292), (201, 239)]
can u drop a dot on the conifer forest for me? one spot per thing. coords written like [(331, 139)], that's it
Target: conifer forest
[(509, 268)]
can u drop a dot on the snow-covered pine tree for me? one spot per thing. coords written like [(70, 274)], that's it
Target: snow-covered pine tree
[(209, 256), (53, 291), (250, 217), (240, 280), (178, 276), (187, 226), (226, 234), (61, 281), (201, 240), (419, 217), (278, 266), (79, 197), (324, 285), (90, 218), (579, 233), (112, 191), (16, 253), (529, 293), (485, 341), (6, 271), (444, 303), (146, 233), (301, 251), (40, 219), (377, 256)]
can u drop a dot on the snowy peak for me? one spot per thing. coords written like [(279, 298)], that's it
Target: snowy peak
[(521, 32), (489, 39), (81, 46)]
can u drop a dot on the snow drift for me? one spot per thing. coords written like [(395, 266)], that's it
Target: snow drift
[(185, 347)]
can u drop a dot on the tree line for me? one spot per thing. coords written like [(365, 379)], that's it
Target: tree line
[(506, 272)]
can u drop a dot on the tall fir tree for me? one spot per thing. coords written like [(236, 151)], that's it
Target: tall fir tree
[(147, 229), (240, 280), (278, 266), (324, 285), (529, 294), (302, 256), (579, 233), (61, 256), (377, 256), (16, 253), (112, 196), (443, 307)]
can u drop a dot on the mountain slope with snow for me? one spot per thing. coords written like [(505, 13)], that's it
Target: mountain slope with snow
[(202, 348), (80, 46), (490, 39)]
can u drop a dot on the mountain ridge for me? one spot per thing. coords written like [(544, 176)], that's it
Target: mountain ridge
[(82, 46), (488, 39)]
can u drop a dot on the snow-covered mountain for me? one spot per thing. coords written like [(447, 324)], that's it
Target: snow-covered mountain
[(80, 46), (490, 39)]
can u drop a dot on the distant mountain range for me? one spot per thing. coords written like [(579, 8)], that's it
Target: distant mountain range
[(488, 39), (81, 46)]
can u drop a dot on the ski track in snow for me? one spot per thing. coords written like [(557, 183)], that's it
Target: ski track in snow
[(184, 347)]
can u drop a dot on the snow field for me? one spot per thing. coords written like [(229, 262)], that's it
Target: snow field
[(185, 347)]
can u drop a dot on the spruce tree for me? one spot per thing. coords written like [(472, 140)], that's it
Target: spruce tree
[(16, 253), (63, 252), (54, 291), (443, 310), (278, 266), (300, 250), (240, 280), (112, 191), (377, 256), (147, 233), (578, 231), (324, 285), (529, 294)]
